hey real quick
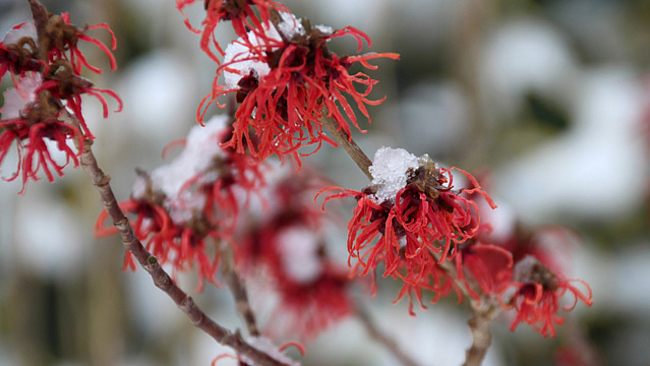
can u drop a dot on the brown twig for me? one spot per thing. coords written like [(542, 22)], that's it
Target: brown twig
[(479, 325), (349, 145), (383, 339), (160, 278), (238, 289), (484, 309)]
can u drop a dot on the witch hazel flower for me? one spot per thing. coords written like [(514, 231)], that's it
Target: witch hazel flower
[(184, 206), (535, 295), (285, 252), (19, 51), (287, 81), (413, 210), (45, 104), (241, 13)]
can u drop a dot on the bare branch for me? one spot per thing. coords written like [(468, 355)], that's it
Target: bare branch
[(384, 339), (160, 278), (348, 144), (238, 289)]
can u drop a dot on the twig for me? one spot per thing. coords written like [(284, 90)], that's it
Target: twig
[(479, 325), (383, 339), (238, 290), (160, 278), (484, 310), (348, 144)]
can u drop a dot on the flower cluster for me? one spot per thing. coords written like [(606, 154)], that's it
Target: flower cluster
[(411, 219), (45, 104), (534, 286), (430, 236), (286, 80), (286, 250), (536, 295), (181, 207)]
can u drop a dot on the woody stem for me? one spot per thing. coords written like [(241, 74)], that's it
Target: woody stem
[(238, 289), (348, 144), (161, 279), (383, 339)]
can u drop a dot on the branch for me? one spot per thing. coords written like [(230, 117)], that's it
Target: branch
[(348, 144), (484, 310), (383, 339), (160, 278), (238, 290), (479, 325)]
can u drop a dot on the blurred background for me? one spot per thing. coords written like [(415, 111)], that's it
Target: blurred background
[(549, 98)]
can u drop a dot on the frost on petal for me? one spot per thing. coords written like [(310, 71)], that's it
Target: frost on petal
[(390, 171), (26, 29), (290, 26), (264, 344), (16, 99), (201, 148), (324, 29), (299, 254), (241, 62)]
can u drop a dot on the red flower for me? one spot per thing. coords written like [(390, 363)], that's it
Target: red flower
[(410, 219), (239, 12), (535, 295), (182, 245), (287, 82), (19, 51), (489, 267), (46, 100), (182, 208), (62, 37), (286, 252), (306, 309)]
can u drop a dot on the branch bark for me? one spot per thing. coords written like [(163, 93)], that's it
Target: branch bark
[(238, 290), (349, 145), (161, 279)]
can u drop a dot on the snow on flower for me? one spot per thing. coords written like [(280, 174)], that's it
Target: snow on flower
[(286, 80), (298, 249), (43, 110), (417, 228), (535, 295), (240, 12), (390, 170), (286, 252), (184, 209)]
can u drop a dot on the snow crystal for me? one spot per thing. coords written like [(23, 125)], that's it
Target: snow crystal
[(389, 171), (324, 29), (299, 254), (525, 268), (264, 344), (26, 29), (139, 189), (201, 147), (16, 99), (240, 62), (290, 26)]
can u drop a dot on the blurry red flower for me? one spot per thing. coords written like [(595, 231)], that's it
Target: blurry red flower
[(535, 295)]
